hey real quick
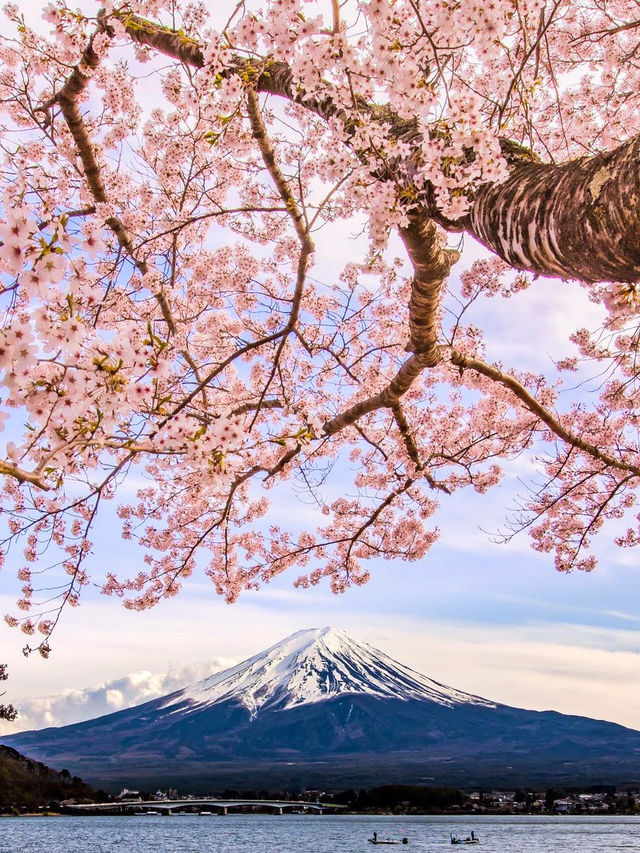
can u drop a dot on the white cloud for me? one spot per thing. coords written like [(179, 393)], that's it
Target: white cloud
[(73, 705), (115, 699)]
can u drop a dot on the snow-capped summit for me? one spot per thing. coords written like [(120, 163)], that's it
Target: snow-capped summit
[(311, 666)]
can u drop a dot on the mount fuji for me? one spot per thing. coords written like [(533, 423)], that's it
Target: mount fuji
[(322, 709), (311, 666)]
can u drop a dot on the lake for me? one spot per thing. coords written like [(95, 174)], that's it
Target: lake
[(314, 834)]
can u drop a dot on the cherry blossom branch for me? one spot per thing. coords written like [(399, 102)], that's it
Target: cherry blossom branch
[(261, 136), (431, 264), (412, 450), (67, 99), (542, 29), (405, 431), (335, 12), (390, 498), (307, 247), (385, 399), (212, 214), (171, 576), (176, 45), (251, 407), (284, 460), (589, 36), (350, 541), (469, 362), (72, 591), (217, 370)]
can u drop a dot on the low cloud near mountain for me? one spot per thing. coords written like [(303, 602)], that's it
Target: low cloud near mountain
[(75, 705)]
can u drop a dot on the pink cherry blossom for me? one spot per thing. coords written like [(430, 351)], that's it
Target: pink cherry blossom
[(168, 186)]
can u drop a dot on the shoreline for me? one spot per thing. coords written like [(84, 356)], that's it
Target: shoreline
[(476, 815)]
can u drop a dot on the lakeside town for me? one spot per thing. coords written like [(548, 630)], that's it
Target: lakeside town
[(391, 800), (410, 799)]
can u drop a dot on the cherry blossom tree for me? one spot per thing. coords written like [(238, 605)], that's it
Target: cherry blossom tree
[(166, 172), (7, 712)]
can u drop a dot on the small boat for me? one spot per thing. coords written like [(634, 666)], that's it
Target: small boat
[(205, 813), (376, 840), (470, 839)]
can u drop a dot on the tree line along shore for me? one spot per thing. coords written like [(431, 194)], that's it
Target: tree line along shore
[(30, 787)]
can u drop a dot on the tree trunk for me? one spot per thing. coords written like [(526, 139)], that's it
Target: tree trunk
[(575, 220)]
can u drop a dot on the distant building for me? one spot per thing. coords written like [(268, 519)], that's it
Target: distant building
[(128, 794), (565, 806)]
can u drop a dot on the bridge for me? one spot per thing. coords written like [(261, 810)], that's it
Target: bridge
[(212, 805)]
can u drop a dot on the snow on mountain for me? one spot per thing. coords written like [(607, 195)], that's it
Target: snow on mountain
[(311, 666)]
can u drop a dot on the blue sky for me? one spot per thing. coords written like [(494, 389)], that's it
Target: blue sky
[(495, 620)]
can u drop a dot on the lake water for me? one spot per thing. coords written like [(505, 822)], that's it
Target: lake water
[(314, 834)]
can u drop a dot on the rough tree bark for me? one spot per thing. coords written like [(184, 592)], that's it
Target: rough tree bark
[(574, 220)]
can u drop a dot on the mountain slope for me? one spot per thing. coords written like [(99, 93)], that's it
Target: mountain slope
[(320, 708)]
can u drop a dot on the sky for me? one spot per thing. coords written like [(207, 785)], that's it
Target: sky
[(491, 619)]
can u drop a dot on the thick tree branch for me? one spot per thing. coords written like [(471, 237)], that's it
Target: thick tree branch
[(67, 99), (261, 136), (171, 43), (34, 478), (431, 265), (575, 220), (385, 399)]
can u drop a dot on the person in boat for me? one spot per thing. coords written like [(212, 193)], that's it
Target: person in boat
[(473, 835), (375, 836)]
